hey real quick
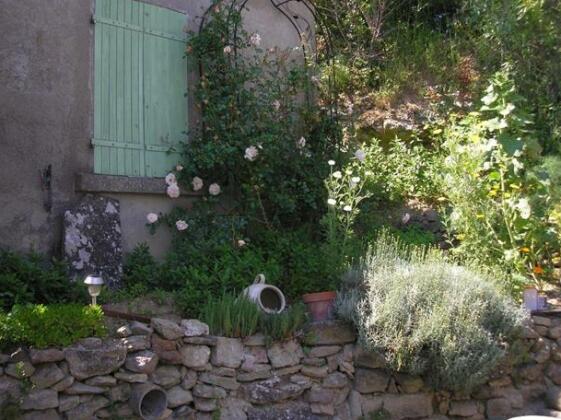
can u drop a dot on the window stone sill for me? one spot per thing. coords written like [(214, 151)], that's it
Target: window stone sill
[(96, 183)]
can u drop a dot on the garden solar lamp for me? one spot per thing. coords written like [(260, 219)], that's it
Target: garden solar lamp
[(94, 287)]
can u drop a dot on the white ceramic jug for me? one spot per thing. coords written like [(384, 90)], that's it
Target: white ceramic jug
[(267, 297)]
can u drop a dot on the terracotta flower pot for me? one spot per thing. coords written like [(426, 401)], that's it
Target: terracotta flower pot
[(320, 305)]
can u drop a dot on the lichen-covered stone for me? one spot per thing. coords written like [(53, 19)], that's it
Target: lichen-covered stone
[(46, 375), (194, 327), (79, 388), (136, 342), (68, 402), (224, 382), (169, 330), (86, 410), (408, 406), (178, 396), (166, 376), (367, 381), (194, 356), (92, 239), (208, 391), (228, 352), (63, 384), (371, 360), (464, 408), (45, 356), (105, 380), (336, 380), (140, 328), (285, 354), (498, 407), (131, 377), (87, 362), (272, 391), (324, 351), (40, 399), (142, 362)]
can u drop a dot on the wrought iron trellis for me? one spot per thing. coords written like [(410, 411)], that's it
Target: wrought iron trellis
[(294, 18)]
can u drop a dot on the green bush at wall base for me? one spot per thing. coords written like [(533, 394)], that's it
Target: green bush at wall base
[(50, 325), (32, 278)]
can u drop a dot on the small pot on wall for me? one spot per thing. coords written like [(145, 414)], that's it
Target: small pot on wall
[(320, 305)]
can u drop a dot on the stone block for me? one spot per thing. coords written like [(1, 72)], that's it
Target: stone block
[(367, 381), (227, 352)]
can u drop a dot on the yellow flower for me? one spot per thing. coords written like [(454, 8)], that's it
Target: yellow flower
[(525, 250)]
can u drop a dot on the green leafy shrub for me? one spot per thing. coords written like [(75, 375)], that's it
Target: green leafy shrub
[(50, 325), (33, 279), (431, 318), (401, 170), (286, 325), (231, 316), (260, 139), (499, 207)]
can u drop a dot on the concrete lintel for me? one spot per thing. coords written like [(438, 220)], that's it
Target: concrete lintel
[(96, 183)]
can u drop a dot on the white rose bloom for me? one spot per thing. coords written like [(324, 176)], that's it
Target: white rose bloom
[(241, 243), (276, 105), (197, 183), (347, 208), (152, 218), (337, 175), (227, 49), (179, 168), (251, 153), (355, 179), (331, 202), (181, 225), (214, 189), (331, 162), (173, 191), (170, 179), (524, 208), (360, 155), (255, 39), (301, 143)]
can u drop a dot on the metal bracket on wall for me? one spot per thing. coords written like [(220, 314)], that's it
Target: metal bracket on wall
[(46, 187)]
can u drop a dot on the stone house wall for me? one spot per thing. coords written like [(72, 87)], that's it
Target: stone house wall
[(323, 375)]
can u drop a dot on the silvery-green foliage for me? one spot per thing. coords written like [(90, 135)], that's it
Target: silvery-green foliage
[(429, 317)]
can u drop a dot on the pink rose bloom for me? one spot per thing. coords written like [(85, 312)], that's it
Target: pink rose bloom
[(251, 153), (241, 243), (152, 218), (227, 49), (179, 168), (170, 179), (173, 191), (214, 189), (181, 225)]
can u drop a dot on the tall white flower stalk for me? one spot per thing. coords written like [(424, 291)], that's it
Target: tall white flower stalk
[(345, 192)]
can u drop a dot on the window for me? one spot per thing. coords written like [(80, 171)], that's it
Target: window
[(140, 80)]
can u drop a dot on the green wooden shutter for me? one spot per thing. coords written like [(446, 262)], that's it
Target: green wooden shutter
[(140, 109)]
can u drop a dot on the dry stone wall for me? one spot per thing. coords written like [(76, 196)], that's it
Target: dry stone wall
[(323, 375)]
